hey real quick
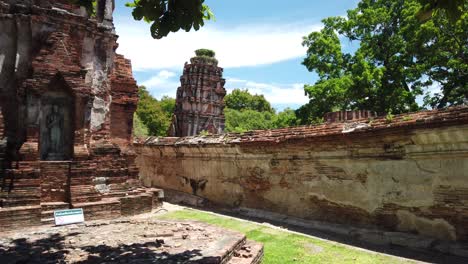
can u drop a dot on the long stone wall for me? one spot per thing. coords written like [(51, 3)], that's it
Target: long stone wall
[(407, 173)]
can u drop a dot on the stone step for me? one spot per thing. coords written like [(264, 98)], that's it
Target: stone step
[(18, 217), (114, 194), (54, 206), (119, 189), (55, 168), (136, 204), (21, 187), (47, 214), (82, 174), (75, 181), (105, 209), (47, 221), (249, 253), (9, 203), (82, 187), (19, 210), (86, 199), (83, 190), (26, 182), (77, 198), (21, 193), (55, 164), (48, 210), (21, 174)]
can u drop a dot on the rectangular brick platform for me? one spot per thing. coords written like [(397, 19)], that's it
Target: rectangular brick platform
[(28, 196), (131, 241)]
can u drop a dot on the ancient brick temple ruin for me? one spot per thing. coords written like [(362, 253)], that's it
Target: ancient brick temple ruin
[(199, 100), (66, 110)]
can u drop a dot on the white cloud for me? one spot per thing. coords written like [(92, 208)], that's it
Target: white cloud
[(279, 95), (245, 45), (163, 83), (159, 80), (166, 74)]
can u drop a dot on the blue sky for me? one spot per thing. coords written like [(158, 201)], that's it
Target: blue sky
[(258, 43)]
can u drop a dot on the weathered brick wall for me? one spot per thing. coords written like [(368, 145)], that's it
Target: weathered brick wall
[(348, 115), (408, 174), (124, 99), (57, 62)]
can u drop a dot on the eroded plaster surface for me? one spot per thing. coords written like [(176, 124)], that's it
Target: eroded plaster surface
[(403, 176)]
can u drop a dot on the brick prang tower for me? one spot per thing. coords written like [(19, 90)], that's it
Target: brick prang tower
[(66, 111), (200, 98)]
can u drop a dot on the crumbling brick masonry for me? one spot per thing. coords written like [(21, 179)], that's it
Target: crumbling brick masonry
[(66, 111)]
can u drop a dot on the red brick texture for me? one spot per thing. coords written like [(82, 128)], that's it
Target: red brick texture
[(68, 58), (199, 100), (124, 99)]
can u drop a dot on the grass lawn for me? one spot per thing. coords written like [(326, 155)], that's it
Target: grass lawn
[(283, 247)]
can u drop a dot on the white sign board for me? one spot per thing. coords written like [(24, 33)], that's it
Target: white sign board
[(69, 216)]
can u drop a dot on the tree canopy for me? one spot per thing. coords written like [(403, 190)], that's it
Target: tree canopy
[(245, 111), (453, 8), (155, 115), (398, 59), (240, 99)]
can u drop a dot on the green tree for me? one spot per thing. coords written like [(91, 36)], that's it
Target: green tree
[(245, 112), (167, 104), (164, 15), (246, 120), (155, 115), (285, 118), (441, 49), (242, 99), (392, 65), (453, 8), (139, 129)]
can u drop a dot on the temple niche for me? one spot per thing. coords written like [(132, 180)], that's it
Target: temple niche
[(56, 140), (66, 112), (200, 98)]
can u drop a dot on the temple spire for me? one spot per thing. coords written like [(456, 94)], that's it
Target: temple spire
[(200, 98)]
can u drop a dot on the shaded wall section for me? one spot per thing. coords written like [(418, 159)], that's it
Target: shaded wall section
[(407, 174)]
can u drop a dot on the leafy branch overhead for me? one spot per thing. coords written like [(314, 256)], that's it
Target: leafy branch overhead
[(171, 15), (164, 15)]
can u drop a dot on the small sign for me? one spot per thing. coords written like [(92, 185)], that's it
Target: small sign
[(161, 194), (70, 216)]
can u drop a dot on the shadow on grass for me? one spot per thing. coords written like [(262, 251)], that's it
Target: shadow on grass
[(53, 249), (393, 250)]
